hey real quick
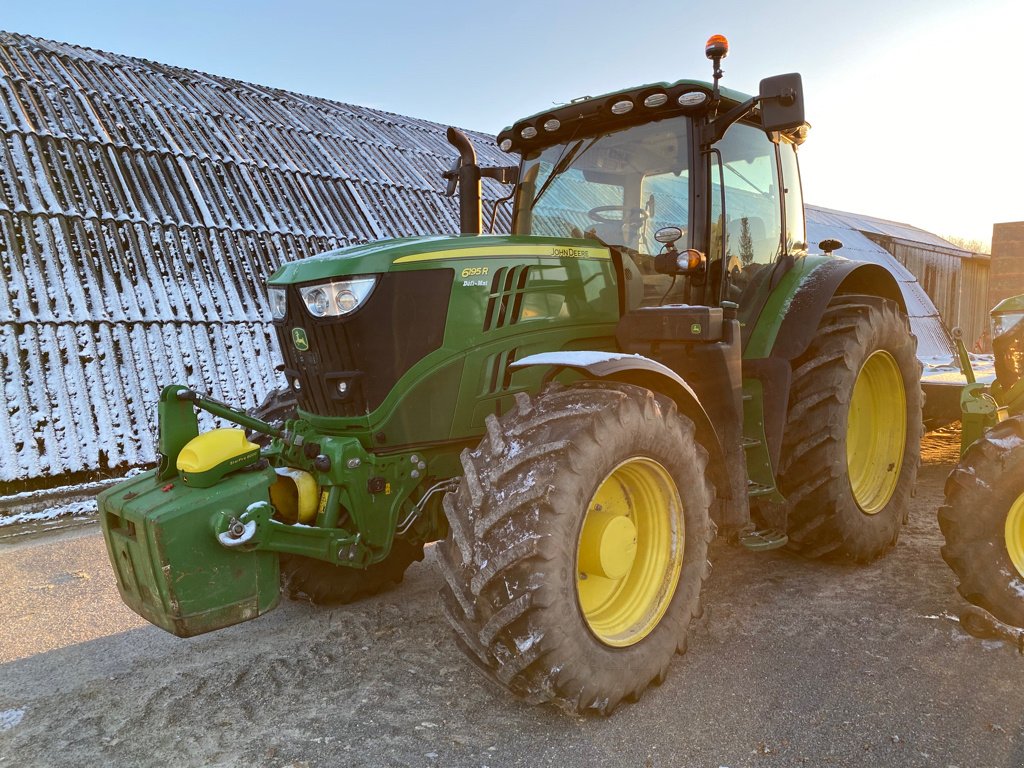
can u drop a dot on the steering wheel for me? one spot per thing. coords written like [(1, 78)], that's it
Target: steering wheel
[(625, 214)]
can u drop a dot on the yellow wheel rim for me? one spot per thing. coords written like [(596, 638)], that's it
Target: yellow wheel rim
[(1015, 534), (630, 552), (876, 432)]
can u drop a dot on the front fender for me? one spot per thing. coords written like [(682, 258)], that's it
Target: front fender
[(642, 372)]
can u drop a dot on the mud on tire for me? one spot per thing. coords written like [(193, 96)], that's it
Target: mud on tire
[(825, 516), (980, 492), (510, 561)]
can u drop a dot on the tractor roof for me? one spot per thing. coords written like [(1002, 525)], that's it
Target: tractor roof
[(629, 106)]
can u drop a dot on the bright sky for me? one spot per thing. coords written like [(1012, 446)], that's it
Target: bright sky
[(916, 105)]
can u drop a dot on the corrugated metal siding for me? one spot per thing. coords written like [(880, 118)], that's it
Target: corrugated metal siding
[(140, 207)]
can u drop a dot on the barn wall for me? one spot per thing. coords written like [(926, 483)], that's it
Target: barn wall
[(1007, 262), (956, 282)]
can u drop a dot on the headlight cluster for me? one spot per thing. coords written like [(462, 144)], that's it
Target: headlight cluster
[(338, 297), (333, 299)]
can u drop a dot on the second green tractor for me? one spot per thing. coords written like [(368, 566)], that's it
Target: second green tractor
[(983, 515), (572, 410)]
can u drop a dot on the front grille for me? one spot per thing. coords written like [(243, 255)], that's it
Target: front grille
[(402, 321)]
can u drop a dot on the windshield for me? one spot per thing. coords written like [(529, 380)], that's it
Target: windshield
[(618, 187)]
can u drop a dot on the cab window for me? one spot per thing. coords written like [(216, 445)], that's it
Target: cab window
[(752, 221), (796, 233)]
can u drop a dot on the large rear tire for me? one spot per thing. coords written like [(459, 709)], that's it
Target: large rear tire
[(578, 545), (983, 522), (851, 446)]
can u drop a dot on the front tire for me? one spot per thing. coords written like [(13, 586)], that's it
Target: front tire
[(578, 545), (323, 583), (983, 522), (851, 446)]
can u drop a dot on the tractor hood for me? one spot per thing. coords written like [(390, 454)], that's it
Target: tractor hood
[(411, 253)]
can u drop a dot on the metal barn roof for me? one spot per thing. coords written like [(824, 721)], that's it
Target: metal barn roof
[(828, 217), (140, 206)]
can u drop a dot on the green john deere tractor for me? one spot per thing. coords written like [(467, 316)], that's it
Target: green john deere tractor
[(571, 409), (983, 517)]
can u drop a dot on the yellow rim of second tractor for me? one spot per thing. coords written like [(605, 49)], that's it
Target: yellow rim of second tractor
[(876, 432), (1015, 534), (630, 552)]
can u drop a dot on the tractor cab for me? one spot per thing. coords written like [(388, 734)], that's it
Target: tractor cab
[(694, 188)]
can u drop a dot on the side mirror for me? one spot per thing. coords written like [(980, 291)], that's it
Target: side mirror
[(668, 235), (782, 102)]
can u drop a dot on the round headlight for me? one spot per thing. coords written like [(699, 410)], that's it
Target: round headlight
[(506, 145), (318, 302), (528, 132), (655, 99), (346, 300), (622, 107), (552, 125)]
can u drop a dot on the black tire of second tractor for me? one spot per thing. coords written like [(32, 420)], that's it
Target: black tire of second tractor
[(320, 582), (979, 493), (509, 561), (823, 515)]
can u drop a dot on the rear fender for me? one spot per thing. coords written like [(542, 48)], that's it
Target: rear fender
[(838, 276), (772, 364)]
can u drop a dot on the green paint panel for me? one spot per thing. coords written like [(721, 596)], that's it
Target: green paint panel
[(768, 323), (432, 252), (760, 473), (170, 568)]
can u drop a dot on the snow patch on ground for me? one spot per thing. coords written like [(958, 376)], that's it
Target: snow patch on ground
[(942, 369), (10, 718), (86, 508)]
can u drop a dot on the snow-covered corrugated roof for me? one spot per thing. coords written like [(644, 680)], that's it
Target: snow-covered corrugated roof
[(933, 340), (885, 228), (141, 205)]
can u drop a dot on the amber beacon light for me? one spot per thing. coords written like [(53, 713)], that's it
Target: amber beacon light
[(717, 47)]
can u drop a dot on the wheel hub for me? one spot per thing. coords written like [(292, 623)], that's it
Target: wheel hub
[(1015, 534), (876, 432), (608, 545), (630, 552)]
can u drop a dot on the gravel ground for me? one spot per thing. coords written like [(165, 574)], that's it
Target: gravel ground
[(796, 663)]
